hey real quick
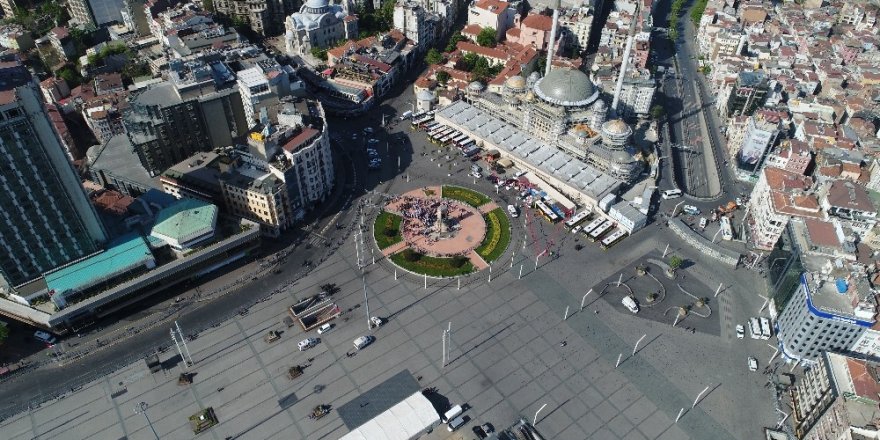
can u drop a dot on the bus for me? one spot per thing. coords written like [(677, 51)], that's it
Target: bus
[(467, 144), (429, 126), (547, 212), (766, 329), (464, 142), (417, 121), (593, 225), (613, 239), (601, 230), (754, 328), (459, 138), (577, 218), (726, 230)]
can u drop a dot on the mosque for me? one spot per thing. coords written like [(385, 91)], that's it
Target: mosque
[(565, 109)]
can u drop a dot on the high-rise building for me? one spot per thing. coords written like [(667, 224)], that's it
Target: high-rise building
[(47, 220), (778, 197), (760, 134)]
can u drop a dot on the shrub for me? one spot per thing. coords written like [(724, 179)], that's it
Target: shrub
[(459, 261), (411, 255)]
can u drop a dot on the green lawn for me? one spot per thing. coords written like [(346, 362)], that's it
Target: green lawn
[(468, 196), (432, 266), (497, 235), (387, 221)]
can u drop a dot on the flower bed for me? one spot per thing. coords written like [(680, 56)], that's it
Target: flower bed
[(468, 196), (497, 235), (432, 266), (387, 222)]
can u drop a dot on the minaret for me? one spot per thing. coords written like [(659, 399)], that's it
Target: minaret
[(620, 77), (552, 44)]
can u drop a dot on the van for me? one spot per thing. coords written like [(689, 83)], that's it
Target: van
[(453, 412), (455, 423), (671, 194), (362, 342)]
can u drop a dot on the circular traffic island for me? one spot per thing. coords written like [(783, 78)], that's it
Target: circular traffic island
[(442, 232)]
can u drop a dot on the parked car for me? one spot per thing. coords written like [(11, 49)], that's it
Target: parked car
[(376, 321), (740, 331), (703, 222), (753, 364), (691, 210), (306, 344), (44, 337), (325, 328), (513, 211)]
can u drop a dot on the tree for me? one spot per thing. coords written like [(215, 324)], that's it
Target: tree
[(657, 112), (442, 77), (135, 68), (675, 262), (453, 41), (70, 74), (319, 53), (459, 261), (433, 56), (487, 37)]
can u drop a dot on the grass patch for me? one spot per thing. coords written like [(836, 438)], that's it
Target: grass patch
[(465, 195), (386, 230), (497, 235), (433, 266)]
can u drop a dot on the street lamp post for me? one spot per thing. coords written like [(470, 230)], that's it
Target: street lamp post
[(584, 299), (535, 420), (141, 408)]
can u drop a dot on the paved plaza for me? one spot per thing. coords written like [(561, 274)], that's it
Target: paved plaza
[(506, 360)]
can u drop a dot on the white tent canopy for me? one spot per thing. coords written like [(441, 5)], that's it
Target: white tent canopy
[(408, 420)]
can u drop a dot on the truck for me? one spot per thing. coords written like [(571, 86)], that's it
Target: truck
[(766, 330), (754, 328)]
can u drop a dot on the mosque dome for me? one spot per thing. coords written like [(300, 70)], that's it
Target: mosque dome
[(616, 128), (476, 87), (515, 83), (567, 87)]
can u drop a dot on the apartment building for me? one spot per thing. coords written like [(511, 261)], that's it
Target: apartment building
[(778, 196)]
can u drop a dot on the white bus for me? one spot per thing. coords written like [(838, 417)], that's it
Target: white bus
[(671, 194), (547, 212), (597, 233), (593, 225), (726, 230), (613, 239), (459, 138), (577, 218)]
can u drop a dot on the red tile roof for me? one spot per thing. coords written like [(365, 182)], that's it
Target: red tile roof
[(301, 139), (494, 6), (537, 21), (822, 233)]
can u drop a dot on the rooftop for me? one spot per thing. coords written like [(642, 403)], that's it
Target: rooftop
[(121, 255), (185, 220), (847, 195), (537, 21)]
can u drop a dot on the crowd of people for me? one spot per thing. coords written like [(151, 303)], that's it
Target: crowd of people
[(420, 220)]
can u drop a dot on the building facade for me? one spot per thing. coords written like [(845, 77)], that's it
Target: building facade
[(818, 318), (493, 14), (266, 17), (194, 111), (748, 94), (778, 196), (760, 135), (96, 12), (837, 399), (47, 220)]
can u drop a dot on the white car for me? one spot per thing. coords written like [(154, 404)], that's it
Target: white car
[(691, 210), (354, 136), (306, 344), (363, 341), (376, 321), (630, 303), (753, 364), (740, 331), (576, 229), (739, 201), (513, 211), (703, 223), (325, 328)]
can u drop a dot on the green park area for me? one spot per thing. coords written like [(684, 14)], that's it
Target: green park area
[(465, 195), (432, 266), (497, 235), (386, 230)]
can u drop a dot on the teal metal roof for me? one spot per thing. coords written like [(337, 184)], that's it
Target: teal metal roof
[(122, 254), (184, 219)]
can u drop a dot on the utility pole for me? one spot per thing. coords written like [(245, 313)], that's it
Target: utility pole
[(141, 408), (366, 303), (183, 340), (179, 351)]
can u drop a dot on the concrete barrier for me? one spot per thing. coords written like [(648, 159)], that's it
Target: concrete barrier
[(722, 254)]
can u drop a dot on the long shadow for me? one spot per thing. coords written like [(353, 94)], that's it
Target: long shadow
[(553, 411), (66, 422), (483, 342)]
